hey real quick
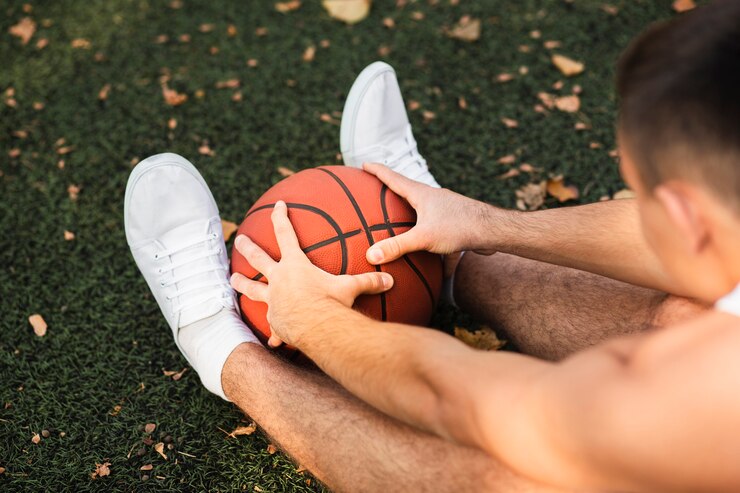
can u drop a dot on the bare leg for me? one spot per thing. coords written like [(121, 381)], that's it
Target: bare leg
[(551, 311), (348, 445)]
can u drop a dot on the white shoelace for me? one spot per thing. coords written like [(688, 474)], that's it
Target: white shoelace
[(406, 161), (201, 256)]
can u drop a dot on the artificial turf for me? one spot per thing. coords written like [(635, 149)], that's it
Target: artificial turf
[(107, 342)]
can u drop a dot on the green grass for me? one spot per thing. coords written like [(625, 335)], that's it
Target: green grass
[(107, 342)]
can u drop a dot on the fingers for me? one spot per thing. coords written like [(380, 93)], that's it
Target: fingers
[(284, 232), (369, 283), (395, 247), (256, 257), (274, 341), (396, 182), (254, 290)]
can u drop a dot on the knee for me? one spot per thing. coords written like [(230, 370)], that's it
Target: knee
[(676, 309)]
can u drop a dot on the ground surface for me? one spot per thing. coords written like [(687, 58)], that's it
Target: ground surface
[(107, 342)]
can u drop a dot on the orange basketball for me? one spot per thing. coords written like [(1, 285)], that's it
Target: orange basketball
[(338, 212)]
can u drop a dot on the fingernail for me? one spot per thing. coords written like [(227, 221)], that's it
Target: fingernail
[(387, 281), (279, 203), (233, 278), (375, 255), (239, 240)]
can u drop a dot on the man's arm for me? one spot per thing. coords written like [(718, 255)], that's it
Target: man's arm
[(603, 238), (645, 413)]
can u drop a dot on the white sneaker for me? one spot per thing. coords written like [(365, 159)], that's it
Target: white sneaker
[(175, 235), (375, 127)]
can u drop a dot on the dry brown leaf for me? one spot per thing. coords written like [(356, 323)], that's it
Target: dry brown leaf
[(206, 28), (101, 470), (536, 34), (557, 188), (523, 70), (508, 159), (146, 467), (285, 171), (172, 97), (237, 96), (261, 31), (68, 235), (14, 153), (116, 410), (2, 470), (231, 30), (172, 123), (36, 438), (42, 43), (484, 338), (413, 105), (467, 29), (462, 103), (428, 115), (547, 99), (349, 11), (228, 84), (205, 150), (25, 29), (510, 123), (38, 323), (65, 150), (683, 5), (149, 428), (624, 194), (184, 38), (271, 449), (531, 196), (81, 43), (168, 373), (568, 104), (595, 145), (527, 168), (228, 228), (610, 9), (509, 174), (252, 62), (38, 105), (581, 126), (244, 430), (567, 66), (418, 15), (159, 448), (504, 77), (177, 376), (285, 7), (552, 44), (21, 134), (103, 93), (309, 54), (389, 23)]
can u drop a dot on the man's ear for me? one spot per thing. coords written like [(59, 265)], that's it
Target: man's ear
[(681, 206)]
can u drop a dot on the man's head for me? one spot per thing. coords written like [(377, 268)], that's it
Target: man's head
[(679, 132)]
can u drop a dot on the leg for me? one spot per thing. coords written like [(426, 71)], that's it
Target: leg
[(348, 445), (551, 311)]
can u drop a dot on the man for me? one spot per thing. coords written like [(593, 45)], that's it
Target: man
[(629, 385)]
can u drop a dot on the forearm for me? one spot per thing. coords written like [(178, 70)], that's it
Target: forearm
[(603, 238)]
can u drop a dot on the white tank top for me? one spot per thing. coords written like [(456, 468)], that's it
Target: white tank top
[(730, 303)]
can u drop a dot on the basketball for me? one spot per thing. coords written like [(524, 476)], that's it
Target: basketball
[(337, 213)]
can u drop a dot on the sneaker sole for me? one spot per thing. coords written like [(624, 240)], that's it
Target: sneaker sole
[(351, 105)]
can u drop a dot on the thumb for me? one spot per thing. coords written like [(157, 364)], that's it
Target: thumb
[(370, 283), (394, 247)]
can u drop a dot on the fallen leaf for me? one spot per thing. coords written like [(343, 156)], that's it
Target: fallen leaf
[(384, 50), (417, 15), (504, 77), (271, 449), (568, 104), (228, 228), (11, 102), (252, 62), (325, 43), (206, 28), (42, 43), (146, 467), (237, 96), (205, 150), (389, 23), (200, 94), (68, 235), (509, 174), (38, 105), (536, 34), (14, 153), (349, 11), (531, 196), (484, 338), (595, 145), (610, 9), (428, 115), (683, 5), (101, 470), (172, 123), (244, 430), (524, 48), (285, 7), (38, 323), (149, 428), (172, 97), (523, 70), (581, 126), (462, 103), (467, 29), (309, 54), (159, 448), (184, 38), (510, 123), (2, 470), (231, 30), (168, 373), (547, 99), (624, 194), (25, 29), (557, 188), (21, 134), (228, 84), (81, 43), (508, 159), (527, 168), (614, 153), (177, 376), (36, 438), (552, 44), (567, 66), (116, 410), (413, 105), (261, 31), (285, 171), (65, 150), (103, 93)]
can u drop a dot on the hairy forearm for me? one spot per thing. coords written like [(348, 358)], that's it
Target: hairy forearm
[(603, 238)]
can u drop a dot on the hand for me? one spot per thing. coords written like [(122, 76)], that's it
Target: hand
[(299, 294), (446, 222)]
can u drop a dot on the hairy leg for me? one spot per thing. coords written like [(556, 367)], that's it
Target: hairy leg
[(551, 311), (348, 445)]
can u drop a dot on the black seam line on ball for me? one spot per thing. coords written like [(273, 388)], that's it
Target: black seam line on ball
[(368, 233), (341, 236), (409, 262)]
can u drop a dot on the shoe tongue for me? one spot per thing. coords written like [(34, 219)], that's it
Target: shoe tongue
[(197, 305)]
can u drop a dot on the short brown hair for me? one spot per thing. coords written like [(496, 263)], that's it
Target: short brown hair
[(679, 85)]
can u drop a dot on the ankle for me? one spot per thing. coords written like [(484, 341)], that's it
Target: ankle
[(245, 357)]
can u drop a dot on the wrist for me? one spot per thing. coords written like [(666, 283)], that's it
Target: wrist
[(493, 228)]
